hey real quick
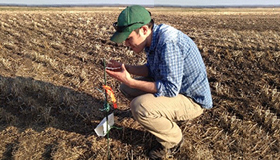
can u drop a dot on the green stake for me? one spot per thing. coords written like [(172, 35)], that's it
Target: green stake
[(106, 109)]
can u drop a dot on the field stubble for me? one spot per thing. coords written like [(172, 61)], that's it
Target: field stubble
[(50, 73)]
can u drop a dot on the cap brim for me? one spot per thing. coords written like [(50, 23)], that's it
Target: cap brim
[(119, 37)]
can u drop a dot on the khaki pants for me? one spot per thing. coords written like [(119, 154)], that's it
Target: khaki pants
[(159, 114)]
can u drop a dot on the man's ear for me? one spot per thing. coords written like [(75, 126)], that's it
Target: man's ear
[(145, 29)]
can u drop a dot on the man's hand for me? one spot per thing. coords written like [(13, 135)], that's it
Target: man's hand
[(120, 73), (114, 65)]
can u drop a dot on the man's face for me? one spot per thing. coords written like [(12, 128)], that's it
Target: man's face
[(136, 41)]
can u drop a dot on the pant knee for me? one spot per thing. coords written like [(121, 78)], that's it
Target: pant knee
[(134, 107), (138, 108)]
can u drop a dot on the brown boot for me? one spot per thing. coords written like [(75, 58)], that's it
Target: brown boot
[(160, 152)]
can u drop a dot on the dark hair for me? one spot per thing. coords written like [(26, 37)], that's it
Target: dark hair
[(150, 25)]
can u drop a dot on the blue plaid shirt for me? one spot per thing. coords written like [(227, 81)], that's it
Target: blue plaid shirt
[(176, 65)]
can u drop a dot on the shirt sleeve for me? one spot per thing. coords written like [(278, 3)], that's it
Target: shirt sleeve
[(170, 70)]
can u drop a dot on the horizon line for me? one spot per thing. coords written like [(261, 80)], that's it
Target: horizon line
[(145, 5)]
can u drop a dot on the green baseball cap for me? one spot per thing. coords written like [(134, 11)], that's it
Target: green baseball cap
[(131, 18)]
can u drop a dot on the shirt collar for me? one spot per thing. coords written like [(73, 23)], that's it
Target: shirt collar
[(150, 50)]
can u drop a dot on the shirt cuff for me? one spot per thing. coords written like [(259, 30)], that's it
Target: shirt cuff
[(159, 87)]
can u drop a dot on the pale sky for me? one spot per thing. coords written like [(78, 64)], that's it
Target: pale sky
[(145, 2)]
